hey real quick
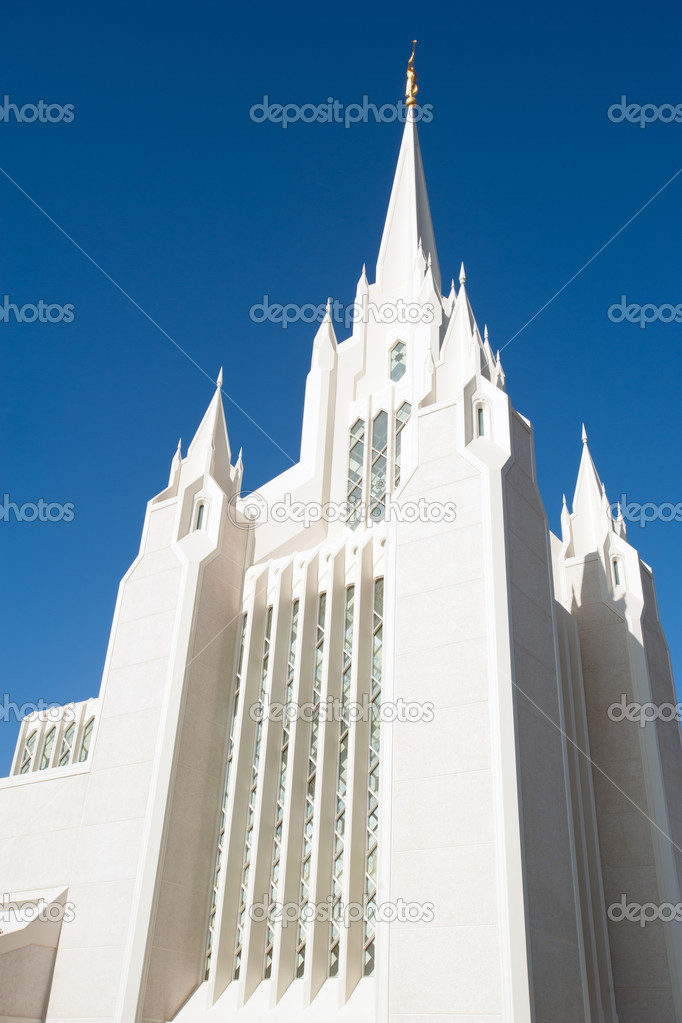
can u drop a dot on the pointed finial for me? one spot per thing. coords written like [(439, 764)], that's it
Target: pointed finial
[(179, 451), (364, 269), (462, 275), (584, 434), (452, 284), (239, 459), (411, 88), (498, 360), (219, 382), (428, 261), (565, 502), (328, 311), (485, 332)]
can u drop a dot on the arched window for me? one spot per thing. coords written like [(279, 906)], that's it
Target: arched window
[(200, 516), (85, 741), (67, 745), (398, 361), (401, 417), (48, 746), (356, 459), (377, 507), (27, 755)]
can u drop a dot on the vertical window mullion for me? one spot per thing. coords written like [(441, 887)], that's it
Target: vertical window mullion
[(311, 780), (281, 792), (338, 848), (372, 832)]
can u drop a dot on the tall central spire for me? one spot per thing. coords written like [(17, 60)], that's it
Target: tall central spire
[(409, 218)]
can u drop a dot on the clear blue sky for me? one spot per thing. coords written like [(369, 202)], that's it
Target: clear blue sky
[(197, 212)]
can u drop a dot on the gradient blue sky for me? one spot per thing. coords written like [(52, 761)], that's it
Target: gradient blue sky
[(197, 212)]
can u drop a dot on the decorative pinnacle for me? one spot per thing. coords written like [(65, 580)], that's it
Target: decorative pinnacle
[(565, 502), (219, 381), (584, 434), (180, 446), (411, 87), (428, 262), (485, 332), (497, 357), (462, 275), (328, 311)]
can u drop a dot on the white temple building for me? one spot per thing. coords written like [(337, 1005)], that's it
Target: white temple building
[(361, 767)]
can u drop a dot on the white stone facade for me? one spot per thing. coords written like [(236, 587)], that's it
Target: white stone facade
[(509, 808)]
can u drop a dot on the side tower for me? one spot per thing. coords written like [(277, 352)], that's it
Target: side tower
[(636, 761), (117, 814)]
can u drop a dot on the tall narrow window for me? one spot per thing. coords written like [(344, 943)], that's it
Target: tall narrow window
[(310, 783), (356, 458), (200, 516), (369, 924), (48, 746), (27, 754), (377, 507), (223, 812), (398, 361), (85, 741), (67, 745), (616, 571), (335, 925), (401, 417), (281, 793), (480, 415), (251, 813)]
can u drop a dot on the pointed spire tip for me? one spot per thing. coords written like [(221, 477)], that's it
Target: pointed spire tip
[(462, 274), (219, 381), (584, 434)]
